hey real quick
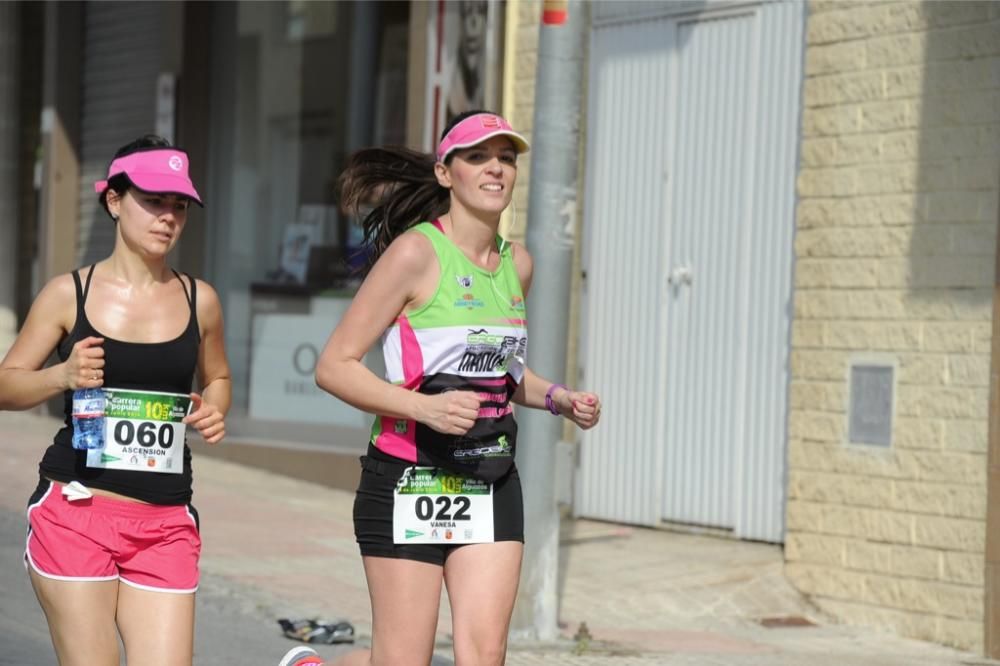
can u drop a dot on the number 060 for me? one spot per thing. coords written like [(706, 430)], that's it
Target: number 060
[(147, 434)]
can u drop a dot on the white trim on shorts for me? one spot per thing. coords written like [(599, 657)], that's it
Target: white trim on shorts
[(75, 579), (150, 588)]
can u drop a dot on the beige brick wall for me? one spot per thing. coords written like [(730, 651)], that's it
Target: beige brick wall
[(897, 220), (520, 63)]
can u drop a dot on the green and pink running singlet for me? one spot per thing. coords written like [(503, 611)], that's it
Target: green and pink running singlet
[(472, 335)]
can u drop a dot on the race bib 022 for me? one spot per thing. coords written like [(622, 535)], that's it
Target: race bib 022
[(435, 506)]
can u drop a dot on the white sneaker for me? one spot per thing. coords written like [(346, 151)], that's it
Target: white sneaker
[(301, 656)]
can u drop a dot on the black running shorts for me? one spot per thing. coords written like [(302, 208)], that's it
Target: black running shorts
[(373, 511)]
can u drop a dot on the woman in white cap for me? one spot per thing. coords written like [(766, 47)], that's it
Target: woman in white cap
[(439, 500), (113, 541)]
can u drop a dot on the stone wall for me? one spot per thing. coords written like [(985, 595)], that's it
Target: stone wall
[(897, 222)]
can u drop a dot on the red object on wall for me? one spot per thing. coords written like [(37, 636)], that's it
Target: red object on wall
[(555, 12)]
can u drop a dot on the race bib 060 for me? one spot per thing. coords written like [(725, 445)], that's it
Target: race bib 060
[(142, 432)]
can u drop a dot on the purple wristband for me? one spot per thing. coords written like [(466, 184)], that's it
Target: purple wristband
[(548, 398)]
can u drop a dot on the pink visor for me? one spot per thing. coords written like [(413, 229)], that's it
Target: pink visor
[(161, 170), (476, 129)]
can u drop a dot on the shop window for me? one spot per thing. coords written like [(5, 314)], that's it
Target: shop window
[(295, 88)]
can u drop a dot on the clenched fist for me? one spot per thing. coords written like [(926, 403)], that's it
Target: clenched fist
[(451, 412), (85, 366)]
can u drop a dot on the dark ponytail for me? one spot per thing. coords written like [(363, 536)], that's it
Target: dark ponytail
[(399, 185)]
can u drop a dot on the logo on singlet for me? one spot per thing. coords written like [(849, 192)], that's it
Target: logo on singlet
[(468, 299), (499, 450), (486, 352)]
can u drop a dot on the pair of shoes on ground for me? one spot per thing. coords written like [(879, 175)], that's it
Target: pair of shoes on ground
[(301, 656), (318, 631)]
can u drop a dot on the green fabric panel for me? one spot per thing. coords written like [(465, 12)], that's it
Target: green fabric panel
[(466, 292)]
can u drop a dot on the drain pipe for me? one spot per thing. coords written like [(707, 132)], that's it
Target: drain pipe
[(991, 611), (552, 206)]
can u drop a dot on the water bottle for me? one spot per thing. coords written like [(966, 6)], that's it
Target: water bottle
[(88, 418)]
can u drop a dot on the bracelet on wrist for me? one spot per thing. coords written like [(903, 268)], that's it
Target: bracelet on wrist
[(549, 404)]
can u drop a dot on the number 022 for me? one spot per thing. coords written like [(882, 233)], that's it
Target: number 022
[(424, 508)]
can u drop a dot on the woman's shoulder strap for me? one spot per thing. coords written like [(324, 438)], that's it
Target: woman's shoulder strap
[(86, 287), (78, 284), (192, 293), (434, 233), (429, 229)]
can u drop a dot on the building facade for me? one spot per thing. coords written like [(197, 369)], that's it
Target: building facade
[(886, 500), (784, 287), (269, 99), (896, 256)]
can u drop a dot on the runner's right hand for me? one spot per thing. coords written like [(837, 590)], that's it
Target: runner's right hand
[(451, 412), (85, 366)]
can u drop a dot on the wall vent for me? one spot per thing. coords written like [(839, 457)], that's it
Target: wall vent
[(871, 404)]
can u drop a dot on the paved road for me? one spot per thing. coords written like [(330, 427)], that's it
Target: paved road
[(26, 637), (233, 628), (276, 546)]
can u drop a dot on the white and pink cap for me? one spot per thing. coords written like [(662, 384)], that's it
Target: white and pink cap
[(162, 170), (476, 129)]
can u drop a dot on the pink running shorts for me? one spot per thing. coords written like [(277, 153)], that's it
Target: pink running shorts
[(148, 546)]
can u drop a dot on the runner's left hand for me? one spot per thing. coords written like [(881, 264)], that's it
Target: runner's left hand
[(580, 407), (207, 419)]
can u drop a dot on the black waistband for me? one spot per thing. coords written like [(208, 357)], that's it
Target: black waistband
[(395, 468), (384, 467)]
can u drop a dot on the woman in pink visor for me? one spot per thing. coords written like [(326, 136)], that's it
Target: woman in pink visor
[(439, 501), (113, 541)]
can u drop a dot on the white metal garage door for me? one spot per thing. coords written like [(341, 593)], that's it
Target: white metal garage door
[(689, 217)]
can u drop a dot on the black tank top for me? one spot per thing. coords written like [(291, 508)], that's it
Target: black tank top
[(156, 366)]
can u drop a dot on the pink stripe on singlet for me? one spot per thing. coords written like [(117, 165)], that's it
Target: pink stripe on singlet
[(494, 412), (404, 445), (486, 392), (489, 381), (413, 358)]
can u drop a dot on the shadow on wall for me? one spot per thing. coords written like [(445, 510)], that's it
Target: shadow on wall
[(951, 149), (953, 108)]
